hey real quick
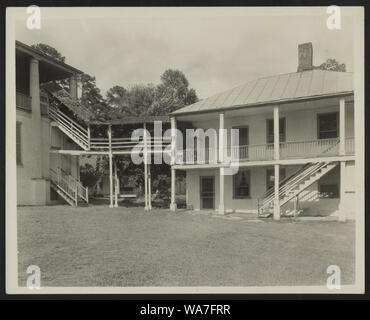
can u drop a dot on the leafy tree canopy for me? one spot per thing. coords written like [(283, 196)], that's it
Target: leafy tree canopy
[(332, 65), (49, 51)]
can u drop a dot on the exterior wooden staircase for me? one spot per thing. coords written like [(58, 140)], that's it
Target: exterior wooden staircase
[(71, 128), (69, 188), (293, 185)]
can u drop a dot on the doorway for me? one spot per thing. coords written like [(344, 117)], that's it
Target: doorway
[(207, 192)]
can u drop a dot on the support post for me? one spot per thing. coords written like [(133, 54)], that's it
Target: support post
[(88, 137), (73, 87), (146, 207), (110, 167), (149, 189), (276, 214), (173, 141), (342, 127), (36, 118), (115, 185), (342, 210), (221, 142), (276, 134), (296, 205), (221, 206), (221, 147), (173, 205)]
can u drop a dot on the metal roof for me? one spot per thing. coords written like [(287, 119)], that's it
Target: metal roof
[(276, 89)]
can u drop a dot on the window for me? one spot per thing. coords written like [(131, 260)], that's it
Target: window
[(270, 177), (270, 130), (243, 135), (328, 185), (241, 184), (18, 143), (327, 125)]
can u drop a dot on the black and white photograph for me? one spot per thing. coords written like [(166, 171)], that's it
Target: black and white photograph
[(185, 150)]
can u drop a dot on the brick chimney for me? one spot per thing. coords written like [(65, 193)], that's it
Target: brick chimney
[(305, 57)]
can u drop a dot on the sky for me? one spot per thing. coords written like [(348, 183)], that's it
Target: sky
[(216, 48)]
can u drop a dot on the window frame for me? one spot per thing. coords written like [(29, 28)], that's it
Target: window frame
[(249, 184), (243, 127), (280, 134), (319, 115)]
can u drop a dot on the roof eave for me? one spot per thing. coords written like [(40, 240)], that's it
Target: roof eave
[(38, 55), (262, 104)]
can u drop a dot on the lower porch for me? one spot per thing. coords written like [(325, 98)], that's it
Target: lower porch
[(245, 191)]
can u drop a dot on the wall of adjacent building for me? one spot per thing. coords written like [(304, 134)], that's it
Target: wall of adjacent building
[(33, 190)]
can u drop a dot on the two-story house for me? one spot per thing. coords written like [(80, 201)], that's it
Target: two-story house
[(295, 150), (36, 136)]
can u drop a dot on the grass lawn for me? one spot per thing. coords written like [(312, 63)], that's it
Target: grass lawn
[(98, 246)]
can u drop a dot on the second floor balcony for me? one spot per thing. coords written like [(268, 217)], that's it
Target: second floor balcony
[(264, 152), (24, 102)]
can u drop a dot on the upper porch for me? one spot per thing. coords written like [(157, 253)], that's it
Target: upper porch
[(294, 131)]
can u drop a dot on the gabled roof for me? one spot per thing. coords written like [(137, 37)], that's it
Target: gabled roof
[(276, 89)]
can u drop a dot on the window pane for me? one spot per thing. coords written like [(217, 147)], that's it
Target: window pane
[(328, 126)]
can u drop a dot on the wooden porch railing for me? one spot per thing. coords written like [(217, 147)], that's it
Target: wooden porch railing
[(288, 150), (307, 149), (125, 144)]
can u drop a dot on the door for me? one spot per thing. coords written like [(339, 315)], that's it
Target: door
[(207, 192)]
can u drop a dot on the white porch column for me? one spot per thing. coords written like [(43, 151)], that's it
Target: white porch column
[(149, 188), (36, 118), (276, 214), (146, 207), (276, 134), (342, 127), (173, 205), (110, 167), (221, 149), (342, 210), (73, 87), (221, 142), (116, 185)]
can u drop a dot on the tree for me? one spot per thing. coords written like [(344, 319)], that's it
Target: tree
[(172, 93), (134, 101), (91, 96), (117, 96), (49, 51), (332, 65)]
